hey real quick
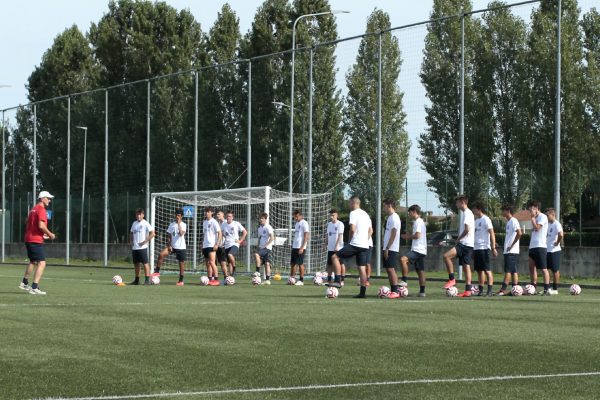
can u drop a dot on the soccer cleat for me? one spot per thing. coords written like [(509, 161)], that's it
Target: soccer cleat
[(450, 283), (267, 282), (422, 295), (180, 283), (359, 296), (214, 282), (489, 294), (36, 291), (342, 283), (135, 283), (501, 292), (147, 283), (546, 293), (466, 293), (23, 286), (299, 283), (155, 273), (393, 295), (553, 291), (481, 294), (402, 284)]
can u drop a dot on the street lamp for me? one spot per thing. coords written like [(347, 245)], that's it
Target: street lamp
[(83, 181)]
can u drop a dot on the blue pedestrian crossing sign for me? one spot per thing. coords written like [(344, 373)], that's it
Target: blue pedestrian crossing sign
[(188, 211), (49, 214)]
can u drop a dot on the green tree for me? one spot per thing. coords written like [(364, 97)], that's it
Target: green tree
[(591, 43), (360, 116)]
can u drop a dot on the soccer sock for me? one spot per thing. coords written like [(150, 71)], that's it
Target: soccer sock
[(156, 270), (146, 279), (555, 286), (329, 277), (451, 276), (468, 288), (363, 290), (180, 278), (504, 286), (421, 289), (343, 278), (34, 285), (257, 269), (25, 281), (404, 279), (546, 287), (490, 288), (136, 279), (267, 277), (534, 284), (395, 288), (480, 288), (301, 279)]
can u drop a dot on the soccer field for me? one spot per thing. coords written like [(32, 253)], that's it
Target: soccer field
[(90, 339)]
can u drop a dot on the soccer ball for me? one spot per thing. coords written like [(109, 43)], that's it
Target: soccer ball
[(575, 289), (117, 280), (257, 274), (230, 280), (475, 290), (318, 280), (291, 280), (517, 290), (204, 280), (383, 292), (452, 291), (318, 274), (155, 280), (529, 290), (403, 290), (277, 277), (332, 293), (256, 280)]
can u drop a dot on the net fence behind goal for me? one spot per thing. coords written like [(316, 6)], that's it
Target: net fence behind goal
[(247, 204)]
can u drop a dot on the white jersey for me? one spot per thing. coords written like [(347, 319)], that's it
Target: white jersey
[(231, 233), (140, 230), (482, 232), (210, 230), (333, 233), (467, 218), (419, 245), (538, 238), (392, 222), (512, 226), (299, 230), (264, 234), (362, 223), (554, 229), (177, 240)]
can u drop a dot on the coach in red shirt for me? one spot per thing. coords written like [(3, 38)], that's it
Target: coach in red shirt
[(36, 231)]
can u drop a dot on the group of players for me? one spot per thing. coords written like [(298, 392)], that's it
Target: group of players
[(223, 235)]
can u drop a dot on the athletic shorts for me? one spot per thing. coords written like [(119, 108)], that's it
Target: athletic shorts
[(465, 254), (417, 259), (140, 256), (553, 261), (297, 258), (221, 256), (511, 262), (180, 254), (481, 260), (330, 256), (392, 260), (369, 255), (538, 255), (206, 251), (265, 255), (233, 250), (349, 251), (35, 252)]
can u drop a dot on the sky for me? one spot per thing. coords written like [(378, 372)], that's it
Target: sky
[(28, 28)]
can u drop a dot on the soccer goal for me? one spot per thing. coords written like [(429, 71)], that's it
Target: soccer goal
[(247, 204)]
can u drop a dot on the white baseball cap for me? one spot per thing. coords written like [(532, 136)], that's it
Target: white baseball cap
[(45, 194)]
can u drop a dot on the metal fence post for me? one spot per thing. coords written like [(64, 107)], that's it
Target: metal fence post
[(557, 132), (310, 155), (249, 167), (377, 246), (461, 140), (195, 220), (68, 210), (148, 150), (105, 249), (34, 149), (3, 187)]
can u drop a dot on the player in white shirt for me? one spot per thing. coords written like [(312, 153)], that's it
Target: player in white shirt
[(210, 244), (553, 240), (418, 249), (391, 246), (511, 250), (301, 234), (464, 246), (485, 243), (221, 256), (176, 244), (334, 242), (266, 238), (234, 235), (141, 234), (537, 245), (358, 243)]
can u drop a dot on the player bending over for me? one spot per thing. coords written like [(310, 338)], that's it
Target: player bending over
[(176, 232), (391, 245), (537, 245), (232, 239), (266, 238), (301, 234), (334, 242), (418, 249), (511, 249), (212, 237), (555, 236), (485, 242), (464, 248), (141, 234)]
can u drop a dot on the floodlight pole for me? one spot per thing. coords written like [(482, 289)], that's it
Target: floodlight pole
[(68, 211), (557, 126), (461, 143), (34, 150), (105, 250), (3, 187), (378, 246), (148, 149), (195, 218), (310, 157), (249, 167)]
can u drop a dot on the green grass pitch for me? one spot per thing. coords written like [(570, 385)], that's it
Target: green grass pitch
[(90, 339)]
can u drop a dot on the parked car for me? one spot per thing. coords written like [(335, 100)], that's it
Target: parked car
[(442, 238)]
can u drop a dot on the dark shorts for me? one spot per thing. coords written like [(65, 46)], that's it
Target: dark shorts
[(233, 251), (349, 251), (329, 256), (417, 259), (392, 260), (35, 252), (221, 256), (464, 254), (296, 258), (139, 256), (538, 255), (481, 260), (206, 251), (510, 263), (553, 261), (180, 254), (265, 255)]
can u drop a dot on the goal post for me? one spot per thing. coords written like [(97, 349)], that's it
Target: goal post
[(247, 204)]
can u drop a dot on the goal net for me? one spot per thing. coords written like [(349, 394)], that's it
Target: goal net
[(247, 204)]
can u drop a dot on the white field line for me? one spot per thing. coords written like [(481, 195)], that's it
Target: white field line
[(332, 386), (195, 303), (55, 279)]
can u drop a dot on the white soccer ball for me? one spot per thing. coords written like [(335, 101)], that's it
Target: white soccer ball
[(256, 280), (474, 290), (291, 280), (204, 280), (318, 280), (575, 289), (517, 290), (529, 290), (230, 280), (117, 280), (155, 280), (403, 290), (452, 291), (383, 292), (318, 274), (332, 292), (257, 274)]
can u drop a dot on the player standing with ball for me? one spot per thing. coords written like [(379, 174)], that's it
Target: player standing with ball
[(334, 242), (36, 231), (391, 246), (301, 234), (231, 239), (212, 237), (553, 240), (418, 249), (176, 232), (266, 237), (485, 242), (464, 248), (140, 235), (537, 245), (511, 249)]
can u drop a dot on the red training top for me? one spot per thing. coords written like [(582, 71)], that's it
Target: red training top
[(33, 233)]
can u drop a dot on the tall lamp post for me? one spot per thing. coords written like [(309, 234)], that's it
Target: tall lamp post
[(84, 128)]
